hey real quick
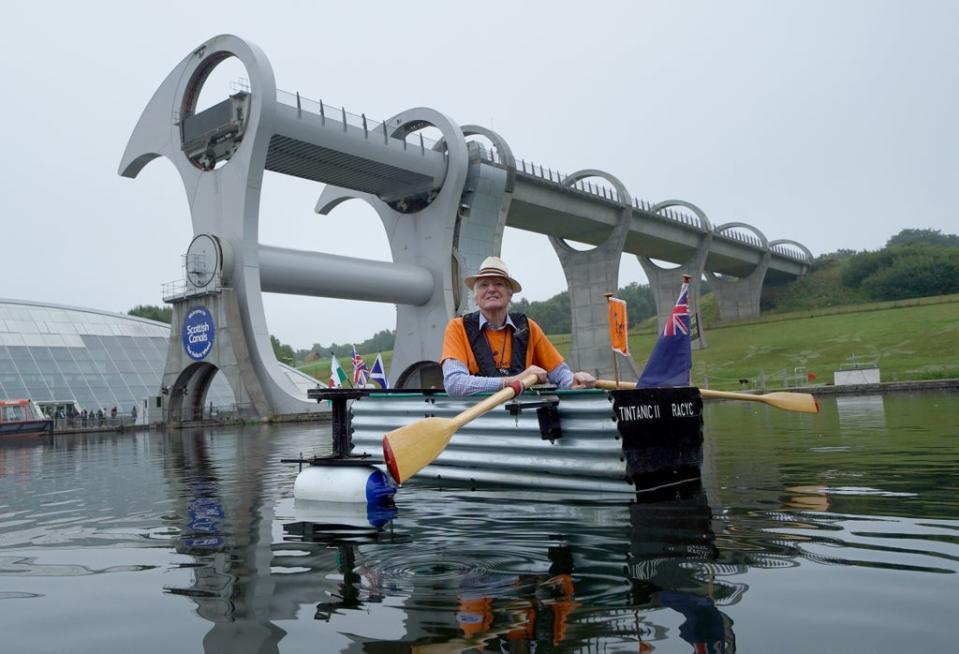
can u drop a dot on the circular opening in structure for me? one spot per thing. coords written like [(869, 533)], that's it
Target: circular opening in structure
[(227, 77), (314, 313), (586, 234), (418, 135), (214, 112), (486, 145), (431, 136), (203, 393), (664, 265), (578, 233), (681, 214)]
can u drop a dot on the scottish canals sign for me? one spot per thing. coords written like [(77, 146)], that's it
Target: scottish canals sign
[(198, 332)]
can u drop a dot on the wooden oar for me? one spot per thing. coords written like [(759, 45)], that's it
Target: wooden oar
[(409, 449), (802, 402)]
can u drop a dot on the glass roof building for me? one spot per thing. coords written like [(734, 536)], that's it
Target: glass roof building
[(98, 360)]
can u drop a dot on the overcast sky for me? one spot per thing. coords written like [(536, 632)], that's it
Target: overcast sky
[(833, 123)]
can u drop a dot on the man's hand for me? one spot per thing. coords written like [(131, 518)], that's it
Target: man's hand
[(532, 370), (583, 380)]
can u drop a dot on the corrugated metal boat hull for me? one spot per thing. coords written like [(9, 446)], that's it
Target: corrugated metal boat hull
[(499, 449)]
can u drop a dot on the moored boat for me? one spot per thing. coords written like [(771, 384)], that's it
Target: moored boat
[(620, 441), (22, 418)]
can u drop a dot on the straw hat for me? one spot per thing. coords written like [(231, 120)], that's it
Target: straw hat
[(493, 267)]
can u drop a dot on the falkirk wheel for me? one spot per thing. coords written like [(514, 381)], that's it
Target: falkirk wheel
[(443, 206), (221, 155)]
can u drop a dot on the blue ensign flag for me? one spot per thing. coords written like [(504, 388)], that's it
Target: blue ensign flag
[(672, 356)]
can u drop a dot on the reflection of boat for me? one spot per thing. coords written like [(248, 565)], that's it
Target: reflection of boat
[(610, 573), (586, 440), (23, 418), (343, 517)]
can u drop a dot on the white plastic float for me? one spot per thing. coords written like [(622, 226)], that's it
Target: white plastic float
[(344, 484)]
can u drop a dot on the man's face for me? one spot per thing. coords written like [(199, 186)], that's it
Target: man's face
[(492, 293)]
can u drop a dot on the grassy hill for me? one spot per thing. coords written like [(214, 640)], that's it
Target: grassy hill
[(828, 320), (908, 339)]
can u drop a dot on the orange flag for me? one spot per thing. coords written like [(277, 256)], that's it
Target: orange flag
[(618, 325)]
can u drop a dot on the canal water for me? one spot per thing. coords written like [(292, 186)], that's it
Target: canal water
[(836, 532)]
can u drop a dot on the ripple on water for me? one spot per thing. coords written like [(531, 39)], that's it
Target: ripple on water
[(448, 572), (16, 595), (27, 566)]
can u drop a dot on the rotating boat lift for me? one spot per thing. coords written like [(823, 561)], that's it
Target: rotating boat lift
[(443, 206)]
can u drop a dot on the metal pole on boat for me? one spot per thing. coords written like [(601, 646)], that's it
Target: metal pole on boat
[(615, 367)]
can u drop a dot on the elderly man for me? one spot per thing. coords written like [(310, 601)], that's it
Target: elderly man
[(491, 348)]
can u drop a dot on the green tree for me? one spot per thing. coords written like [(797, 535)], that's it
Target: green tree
[(923, 236), (861, 266), (553, 315), (381, 341), (916, 271), (639, 299), (283, 353), (151, 312), (904, 271), (832, 258)]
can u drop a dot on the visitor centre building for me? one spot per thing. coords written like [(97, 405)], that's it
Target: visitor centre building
[(89, 359)]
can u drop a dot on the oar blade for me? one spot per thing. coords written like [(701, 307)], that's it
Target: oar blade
[(801, 402), (412, 447)]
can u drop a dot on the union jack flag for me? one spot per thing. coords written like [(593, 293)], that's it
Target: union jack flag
[(679, 316), (360, 371)]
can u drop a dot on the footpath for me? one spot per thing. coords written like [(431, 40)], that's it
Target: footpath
[(863, 389)]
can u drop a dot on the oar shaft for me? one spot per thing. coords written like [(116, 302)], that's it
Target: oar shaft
[(727, 395), (801, 402), (610, 385), (493, 401)]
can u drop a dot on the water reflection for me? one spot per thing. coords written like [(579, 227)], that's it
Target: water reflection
[(587, 574), (594, 575), (861, 412), (197, 483), (676, 564), (491, 571), (800, 520), (224, 525)]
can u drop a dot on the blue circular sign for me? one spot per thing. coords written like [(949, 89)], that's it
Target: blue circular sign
[(198, 331)]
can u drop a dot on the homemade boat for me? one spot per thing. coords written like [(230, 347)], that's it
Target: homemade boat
[(618, 441), (23, 418)]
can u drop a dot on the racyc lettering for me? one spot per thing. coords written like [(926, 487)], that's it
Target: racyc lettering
[(683, 409)]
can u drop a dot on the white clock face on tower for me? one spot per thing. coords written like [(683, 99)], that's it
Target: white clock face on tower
[(202, 260)]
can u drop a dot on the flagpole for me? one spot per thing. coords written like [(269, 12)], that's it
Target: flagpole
[(686, 279)]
